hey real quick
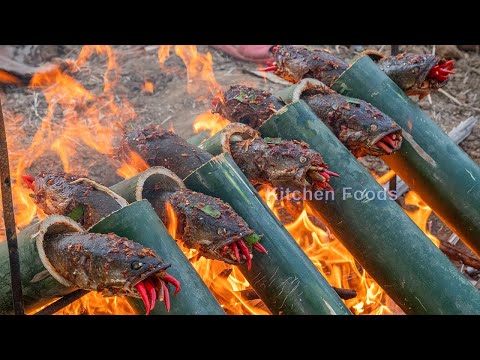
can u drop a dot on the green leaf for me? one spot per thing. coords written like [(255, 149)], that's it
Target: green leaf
[(210, 210), (76, 214), (270, 140), (244, 97), (241, 97), (252, 239), (353, 100)]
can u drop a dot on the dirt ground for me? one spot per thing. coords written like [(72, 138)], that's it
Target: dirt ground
[(171, 105)]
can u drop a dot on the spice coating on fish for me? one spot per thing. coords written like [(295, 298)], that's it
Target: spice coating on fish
[(360, 126), (160, 147), (295, 63), (106, 263), (417, 74), (245, 105), (278, 163), (55, 193), (208, 225), (110, 264)]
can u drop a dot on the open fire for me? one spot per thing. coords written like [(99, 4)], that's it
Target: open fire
[(86, 119)]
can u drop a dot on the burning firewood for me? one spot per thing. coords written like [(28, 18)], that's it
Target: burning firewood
[(414, 74), (359, 126), (272, 161), (110, 264), (79, 198), (204, 223)]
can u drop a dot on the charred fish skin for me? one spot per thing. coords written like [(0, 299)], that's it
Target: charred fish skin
[(54, 193), (205, 223), (356, 123), (160, 147), (106, 263), (283, 164), (295, 63), (361, 127), (413, 73), (246, 105)]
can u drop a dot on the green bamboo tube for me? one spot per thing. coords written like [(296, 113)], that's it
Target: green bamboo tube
[(39, 286), (285, 279), (139, 222), (197, 139), (378, 233), (432, 165), (220, 142)]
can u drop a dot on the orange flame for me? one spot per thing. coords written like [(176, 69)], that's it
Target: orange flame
[(87, 121), (172, 222), (200, 74), (148, 87), (211, 122), (131, 166), (8, 78), (163, 53), (420, 215), (94, 303)]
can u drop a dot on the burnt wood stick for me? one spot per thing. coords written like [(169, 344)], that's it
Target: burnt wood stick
[(454, 253), (345, 294), (62, 302), (9, 220)]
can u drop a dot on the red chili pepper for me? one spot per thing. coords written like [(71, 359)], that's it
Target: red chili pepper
[(245, 252), (174, 282), (143, 294)]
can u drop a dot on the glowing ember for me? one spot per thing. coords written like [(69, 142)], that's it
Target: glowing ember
[(148, 87)]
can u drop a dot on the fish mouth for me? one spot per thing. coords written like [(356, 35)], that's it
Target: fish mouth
[(237, 252), (29, 181), (137, 278), (385, 143), (434, 77), (441, 71), (273, 65), (152, 285), (319, 177)]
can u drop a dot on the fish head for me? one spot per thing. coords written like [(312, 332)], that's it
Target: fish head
[(208, 225), (296, 166), (370, 132), (52, 192), (246, 105), (127, 263), (417, 74), (290, 62)]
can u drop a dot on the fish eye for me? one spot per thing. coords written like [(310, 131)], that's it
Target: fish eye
[(222, 231), (136, 265)]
